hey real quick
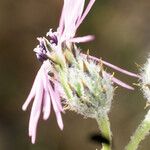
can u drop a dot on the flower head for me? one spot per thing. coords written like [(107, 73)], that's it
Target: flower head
[(66, 73)]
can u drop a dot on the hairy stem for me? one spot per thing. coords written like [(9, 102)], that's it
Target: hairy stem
[(141, 132), (104, 126)]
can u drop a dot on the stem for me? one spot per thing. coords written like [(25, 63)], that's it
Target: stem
[(104, 126), (141, 132)]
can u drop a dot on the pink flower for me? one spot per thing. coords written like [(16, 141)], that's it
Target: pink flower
[(46, 91)]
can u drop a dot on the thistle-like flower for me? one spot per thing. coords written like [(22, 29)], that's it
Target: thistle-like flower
[(46, 88), (69, 75)]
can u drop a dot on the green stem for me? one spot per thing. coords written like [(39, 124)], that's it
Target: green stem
[(140, 133), (104, 126)]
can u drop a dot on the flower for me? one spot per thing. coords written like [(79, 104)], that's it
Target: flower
[(46, 90), (66, 73)]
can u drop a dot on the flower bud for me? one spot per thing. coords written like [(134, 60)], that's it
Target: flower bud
[(92, 91)]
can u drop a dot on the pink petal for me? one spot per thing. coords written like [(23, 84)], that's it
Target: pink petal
[(32, 93), (59, 120), (117, 81), (56, 108), (54, 98), (85, 12), (120, 69), (73, 10), (61, 21), (57, 94), (46, 100), (82, 39), (46, 106), (36, 110), (112, 66)]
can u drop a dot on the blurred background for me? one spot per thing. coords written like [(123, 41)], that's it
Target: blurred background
[(122, 30)]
